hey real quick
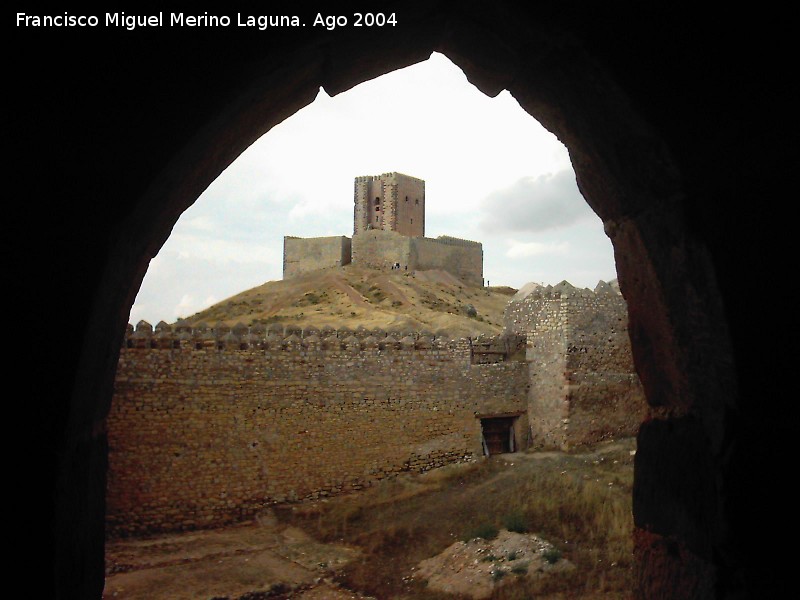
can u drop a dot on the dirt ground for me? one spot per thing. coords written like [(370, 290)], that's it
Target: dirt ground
[(268, 558), (476, 567), (261, 556)]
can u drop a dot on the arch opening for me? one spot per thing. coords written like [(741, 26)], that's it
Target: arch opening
[(510, 428), (638, 215)]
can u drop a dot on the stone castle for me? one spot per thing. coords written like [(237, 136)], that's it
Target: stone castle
[(388, 231), (209, 425)]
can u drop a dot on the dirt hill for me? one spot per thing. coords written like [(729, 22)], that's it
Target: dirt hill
[(352, 296)]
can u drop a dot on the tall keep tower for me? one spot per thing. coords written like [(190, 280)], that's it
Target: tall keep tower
[(391, 202)]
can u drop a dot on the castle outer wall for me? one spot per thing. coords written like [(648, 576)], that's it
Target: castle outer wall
[(583, 383), (303, 255), (208, 427), (378, 249), (462, 258), (381, 249)]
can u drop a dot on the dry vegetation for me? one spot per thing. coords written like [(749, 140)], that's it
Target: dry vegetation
[(368, 544), (579, 502), (351, 296)]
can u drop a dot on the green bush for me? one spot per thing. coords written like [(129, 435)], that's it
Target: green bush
[(516, 522), (520, 569), (485, 531), (552, 555)]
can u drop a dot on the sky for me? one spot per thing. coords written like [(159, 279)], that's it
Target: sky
[(492, 174)]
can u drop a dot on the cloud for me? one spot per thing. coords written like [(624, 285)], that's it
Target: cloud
[(526, 249), (535, 204), (201, 223), (221, 251), (188, 305)]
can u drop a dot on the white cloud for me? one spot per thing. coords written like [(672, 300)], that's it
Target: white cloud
[(536, 204), (526, 249), (188, 305), (218, 250), (201, 223)]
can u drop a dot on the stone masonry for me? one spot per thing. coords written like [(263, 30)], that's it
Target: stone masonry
[(583, 384), (389, 202), (381, 249), (209, 425), (302, 255)]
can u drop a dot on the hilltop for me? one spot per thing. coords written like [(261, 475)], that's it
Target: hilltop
[(353, 295)]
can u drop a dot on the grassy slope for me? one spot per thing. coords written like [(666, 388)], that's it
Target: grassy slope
[(580, 502), (352, 296)]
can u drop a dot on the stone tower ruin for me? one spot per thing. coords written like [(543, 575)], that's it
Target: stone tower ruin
[(388, 232), (390, 202)]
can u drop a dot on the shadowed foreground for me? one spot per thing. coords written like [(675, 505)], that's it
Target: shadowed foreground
[(371, 543)]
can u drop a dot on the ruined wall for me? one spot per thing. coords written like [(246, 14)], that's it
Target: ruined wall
[(606, 399), (462, 258), (542, 319), (209, 426), (303, 255), (583, 385), (381, 249)]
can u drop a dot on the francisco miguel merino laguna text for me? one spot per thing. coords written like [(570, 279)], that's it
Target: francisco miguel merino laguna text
[(262, 22)]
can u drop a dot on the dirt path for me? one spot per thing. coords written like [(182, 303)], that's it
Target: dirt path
[(225, 563), (353, 294)]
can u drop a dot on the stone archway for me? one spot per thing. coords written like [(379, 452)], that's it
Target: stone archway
[(639, 176)]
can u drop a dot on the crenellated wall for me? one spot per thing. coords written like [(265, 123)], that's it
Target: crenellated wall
[(210, 425), (583, 384)]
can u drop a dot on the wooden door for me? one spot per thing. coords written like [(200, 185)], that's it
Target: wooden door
[(497, 434)]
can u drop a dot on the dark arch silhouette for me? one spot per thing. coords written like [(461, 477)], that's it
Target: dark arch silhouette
[(115, 133)]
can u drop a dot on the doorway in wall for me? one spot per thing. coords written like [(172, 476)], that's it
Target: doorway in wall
[(498, 435)]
